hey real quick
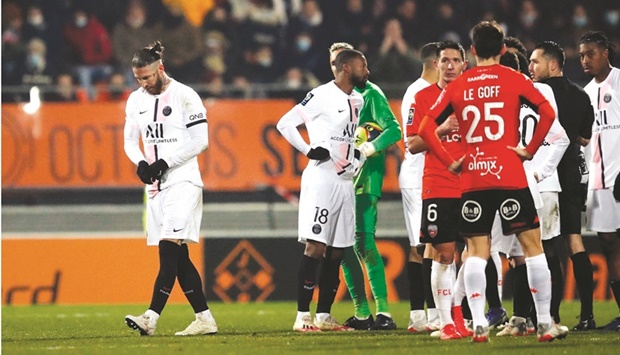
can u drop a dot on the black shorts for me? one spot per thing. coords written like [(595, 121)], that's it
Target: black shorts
[(571, 203), (516, 210), (439, 220)]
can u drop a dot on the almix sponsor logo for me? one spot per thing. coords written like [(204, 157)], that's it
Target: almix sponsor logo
[(484, 165), (483, 77)]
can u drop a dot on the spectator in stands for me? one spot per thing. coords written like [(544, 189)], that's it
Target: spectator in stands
[(47, 29), (115, 89), (304, 53), (89, 49), (259, 66), (36, 69), (132, 32), (395, 59), (296, 82), (261, 20), (13, 46), (414, 33), (184, 46), (309, 19), (446, 26), (65, 90), (355, 25), (529, 28)]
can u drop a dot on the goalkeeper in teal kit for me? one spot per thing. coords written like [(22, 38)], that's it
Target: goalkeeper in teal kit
[(368, 185)]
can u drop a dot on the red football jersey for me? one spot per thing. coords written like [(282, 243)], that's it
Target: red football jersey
[(437, 181), (486, 101)]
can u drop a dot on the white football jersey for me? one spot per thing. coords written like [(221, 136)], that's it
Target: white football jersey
[(172, 126), (605, 143), (552, 149), (331, 118), (413, 165)]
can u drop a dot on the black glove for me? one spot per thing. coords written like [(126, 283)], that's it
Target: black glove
[(617, 188), (144, 172), (158, 169), (318, 153)]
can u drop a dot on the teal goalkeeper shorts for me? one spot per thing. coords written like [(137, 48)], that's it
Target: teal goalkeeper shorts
[(366, 213)]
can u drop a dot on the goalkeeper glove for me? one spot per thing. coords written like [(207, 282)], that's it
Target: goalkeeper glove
[(367, 148), (158, 169), (318, 153), (144, 172)]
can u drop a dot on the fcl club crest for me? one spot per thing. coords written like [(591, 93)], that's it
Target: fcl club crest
[(432, 230)]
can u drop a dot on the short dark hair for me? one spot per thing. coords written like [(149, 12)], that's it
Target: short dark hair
[(510, 60), (450, 45), (345, 56), (514, 42), (147, 55), (428, 52), (524, 63), (601, 40), (553, 51), (487, 39)]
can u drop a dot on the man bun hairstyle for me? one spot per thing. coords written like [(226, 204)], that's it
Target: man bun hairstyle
[(601, 40), (147, 55)]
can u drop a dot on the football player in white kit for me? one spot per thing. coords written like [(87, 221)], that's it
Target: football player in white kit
[(410, 183), (171, 120), (603, 203), (326, 222), (544, 185)]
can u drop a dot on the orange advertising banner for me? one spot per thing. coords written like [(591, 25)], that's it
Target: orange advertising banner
[(74, 271), (81, 146)]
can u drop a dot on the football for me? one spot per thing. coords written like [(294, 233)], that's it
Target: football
[(367, 132)]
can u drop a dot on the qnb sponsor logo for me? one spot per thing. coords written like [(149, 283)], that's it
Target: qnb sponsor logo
[(483, 77), (484, 165)]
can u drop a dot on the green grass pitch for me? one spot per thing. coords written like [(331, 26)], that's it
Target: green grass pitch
[(262, 328)]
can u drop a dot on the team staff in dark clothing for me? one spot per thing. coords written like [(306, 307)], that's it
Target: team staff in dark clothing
[(576, 116)]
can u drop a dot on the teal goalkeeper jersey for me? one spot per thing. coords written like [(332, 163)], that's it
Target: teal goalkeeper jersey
[(376, 109)]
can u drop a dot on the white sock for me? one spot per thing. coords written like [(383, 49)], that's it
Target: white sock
[(321, 317), (459, 287), (205, 316), (414, 312), (497, 260), (432, 314), (441, 284), (539, 278), (475, 288), (151, 314), (300, 315)]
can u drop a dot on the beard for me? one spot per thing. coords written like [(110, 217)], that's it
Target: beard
[(157, 87), (359, 81)]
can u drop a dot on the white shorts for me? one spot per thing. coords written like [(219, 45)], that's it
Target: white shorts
[(174, 213), (549, 216), (602, 211), (326, 208), (412, 207)]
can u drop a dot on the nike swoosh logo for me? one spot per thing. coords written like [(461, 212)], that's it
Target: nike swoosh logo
[(176, 230), (141, 112), (340, 111)]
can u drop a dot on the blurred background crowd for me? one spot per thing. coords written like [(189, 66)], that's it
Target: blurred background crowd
[(81, 50)]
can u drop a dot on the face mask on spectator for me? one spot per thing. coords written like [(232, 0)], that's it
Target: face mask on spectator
[(35, 60), (35, 20), (81, 21), (303, 44), (612, 18), (293, 83), (580, 21), (135, 22), (265, 62)]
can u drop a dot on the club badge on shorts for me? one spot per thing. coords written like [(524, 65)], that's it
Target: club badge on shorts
[(432, 230), (316, 229)]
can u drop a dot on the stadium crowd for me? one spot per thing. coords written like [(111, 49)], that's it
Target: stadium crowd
[(260, 48)]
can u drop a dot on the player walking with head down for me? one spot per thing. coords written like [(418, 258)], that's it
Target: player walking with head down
[(368, 185), (330, 113), (603, 207), (171, 120), (486, 101)]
